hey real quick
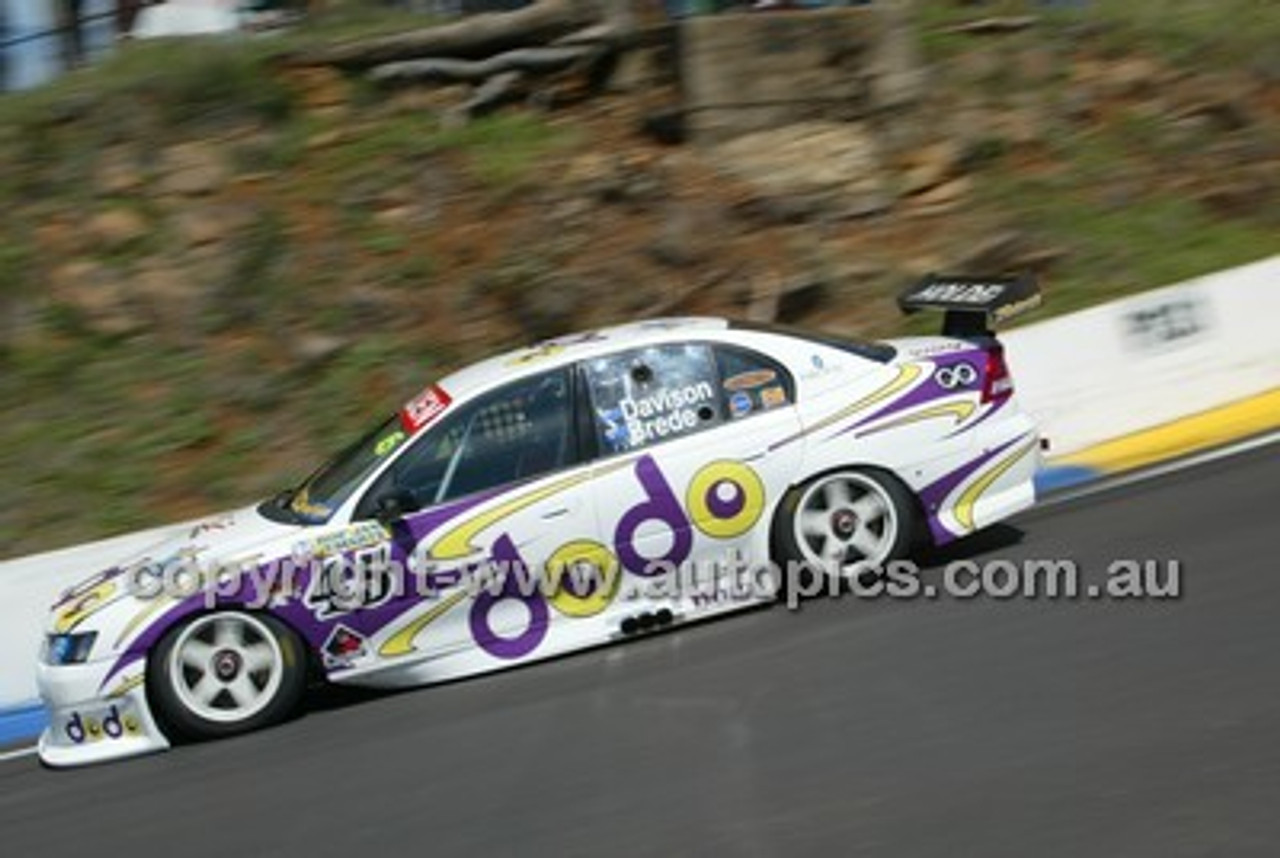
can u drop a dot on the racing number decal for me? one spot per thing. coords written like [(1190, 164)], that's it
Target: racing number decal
[(341, 586)]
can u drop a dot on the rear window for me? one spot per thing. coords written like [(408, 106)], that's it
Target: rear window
[(869, 349)]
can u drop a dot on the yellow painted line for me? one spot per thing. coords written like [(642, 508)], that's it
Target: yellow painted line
[(1213, 428)]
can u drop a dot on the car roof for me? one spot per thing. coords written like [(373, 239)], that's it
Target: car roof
[(561, 351)]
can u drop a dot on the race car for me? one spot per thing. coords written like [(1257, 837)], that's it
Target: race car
[(582, 490)]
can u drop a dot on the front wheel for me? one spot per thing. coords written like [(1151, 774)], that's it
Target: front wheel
[(846, 522), (226, 673)]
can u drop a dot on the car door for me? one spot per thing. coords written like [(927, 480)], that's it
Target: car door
[(685, 473), (495, 484)]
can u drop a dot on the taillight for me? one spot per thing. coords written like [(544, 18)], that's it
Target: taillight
[(997, 383)]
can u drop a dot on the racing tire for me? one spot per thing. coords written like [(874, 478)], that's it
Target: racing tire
[(844, 523), (226, 673)]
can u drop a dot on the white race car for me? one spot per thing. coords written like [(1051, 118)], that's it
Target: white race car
[(576, 492)]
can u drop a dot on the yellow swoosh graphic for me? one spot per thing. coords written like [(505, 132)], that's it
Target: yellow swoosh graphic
[(964, 506), (959, 410), (401, 643), (85, 604), (907, 374), (126, 686), (456, 544), (157, 602)]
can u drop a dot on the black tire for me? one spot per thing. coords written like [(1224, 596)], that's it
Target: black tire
[(255, 667), (892, 519)]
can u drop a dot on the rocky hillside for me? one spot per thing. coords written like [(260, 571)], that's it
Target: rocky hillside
[(214, 270)]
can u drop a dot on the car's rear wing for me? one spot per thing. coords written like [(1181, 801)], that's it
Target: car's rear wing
[(973, 306)]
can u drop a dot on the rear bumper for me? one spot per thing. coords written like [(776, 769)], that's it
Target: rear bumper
[(88, 725)]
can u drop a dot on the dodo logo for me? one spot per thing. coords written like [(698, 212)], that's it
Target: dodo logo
[(112, 725), (723, 500)]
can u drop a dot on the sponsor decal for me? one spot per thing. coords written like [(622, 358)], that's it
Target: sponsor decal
[(536, 353), (220, 523), (364, 534), (929, 349), (389, 443), (303, 506), (424, 408), (1166, 324), (1008, 311), (772, 397), (955, 376), (551, 348), (960, 293), (343, 647), (740, 404), (754, 378), (82, 728)]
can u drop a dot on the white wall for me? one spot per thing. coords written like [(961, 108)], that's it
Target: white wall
[(1136, 363), (30, 585)]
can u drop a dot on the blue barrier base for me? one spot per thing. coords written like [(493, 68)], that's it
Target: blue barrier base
[(22, 723), (1058, 477)]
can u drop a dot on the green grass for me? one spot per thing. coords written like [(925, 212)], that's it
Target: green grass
[(502, 148), (1118, 249), (1229, 33)]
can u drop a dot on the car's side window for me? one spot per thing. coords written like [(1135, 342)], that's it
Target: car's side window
[(645, 396), (751, 382), (519, 431)]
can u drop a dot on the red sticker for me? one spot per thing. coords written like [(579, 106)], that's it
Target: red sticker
[(425, 407)]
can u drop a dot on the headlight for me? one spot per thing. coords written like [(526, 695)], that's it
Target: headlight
[(69, 649)]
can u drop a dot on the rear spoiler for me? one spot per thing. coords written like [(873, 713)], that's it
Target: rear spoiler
[(972, 305)]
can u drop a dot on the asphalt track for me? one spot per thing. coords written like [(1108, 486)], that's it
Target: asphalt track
[(1020, 728)]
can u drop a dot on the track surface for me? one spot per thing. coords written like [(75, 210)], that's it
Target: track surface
[(1021, 728)]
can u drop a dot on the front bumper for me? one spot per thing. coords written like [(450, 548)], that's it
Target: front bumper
[(88, 722)]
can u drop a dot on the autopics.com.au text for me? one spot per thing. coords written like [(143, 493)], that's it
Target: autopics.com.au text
[(345, 583)]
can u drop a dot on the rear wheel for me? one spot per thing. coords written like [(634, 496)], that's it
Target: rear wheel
[(846, 522), (226, 673)]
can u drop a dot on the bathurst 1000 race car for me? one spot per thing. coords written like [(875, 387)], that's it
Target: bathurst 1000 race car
[(576, 492)]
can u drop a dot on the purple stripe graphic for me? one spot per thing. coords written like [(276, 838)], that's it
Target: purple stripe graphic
[(933, 495), (928, 390), (293, 611)]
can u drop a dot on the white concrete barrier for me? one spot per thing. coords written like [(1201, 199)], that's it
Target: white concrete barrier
[(1152, 358), (30, 585)]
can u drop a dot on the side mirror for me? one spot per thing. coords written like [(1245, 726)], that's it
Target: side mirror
[(392, 508)]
